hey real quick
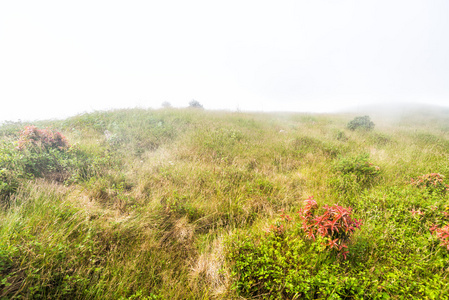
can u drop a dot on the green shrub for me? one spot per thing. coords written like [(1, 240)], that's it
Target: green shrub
[(83, 164), (43, 152), (361, 123), (10, 171), (47, 153), (180, 207), (284, 264), (341, 136), (353, 174), (274, 265), (359, 165), (8, 184)]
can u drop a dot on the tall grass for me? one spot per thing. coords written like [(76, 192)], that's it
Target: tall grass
[(175, 199)]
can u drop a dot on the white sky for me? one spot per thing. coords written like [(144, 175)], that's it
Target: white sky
[(60, 58)]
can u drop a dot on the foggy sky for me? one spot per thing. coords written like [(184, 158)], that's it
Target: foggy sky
[(60, 58)]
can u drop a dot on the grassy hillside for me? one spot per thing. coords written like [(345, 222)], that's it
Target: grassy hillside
[(192, 204)]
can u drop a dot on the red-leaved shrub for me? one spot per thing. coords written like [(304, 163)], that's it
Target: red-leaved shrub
[(43, 139), (431, 181), (442, 234), (335, 223)]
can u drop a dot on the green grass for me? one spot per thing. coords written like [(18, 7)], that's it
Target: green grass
[(178, 204)]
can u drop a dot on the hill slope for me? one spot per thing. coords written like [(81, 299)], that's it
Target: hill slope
[(191, 204)]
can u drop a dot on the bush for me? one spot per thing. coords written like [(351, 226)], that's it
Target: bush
[(353, 174), (10, 171), (442, 234), (363, 123), (434, 182), (341, 136), (335, 225), (285, 264), (44, 153), (166, 104), (357, 167), (47, 153), (8, 184), (274, 266), (35, 139), (195, 104)]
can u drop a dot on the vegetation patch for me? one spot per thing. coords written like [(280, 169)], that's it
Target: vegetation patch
[(196, 204), (363, 123), (353, 173), (433, 182)]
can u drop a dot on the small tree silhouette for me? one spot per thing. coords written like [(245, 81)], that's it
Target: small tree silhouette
[(166, 104), (195, 104)]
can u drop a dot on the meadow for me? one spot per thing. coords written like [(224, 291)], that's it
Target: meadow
[(197, 204)]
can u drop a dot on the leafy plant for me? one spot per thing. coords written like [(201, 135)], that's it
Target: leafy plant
[(276, 265), (442, 234), (335, 224), (433, 182), (353, 174), (10, 171), (36, 139), (47, 153), (284, 263), (8, 183), (363, 123), (357, 165), (179, 206), (341, 136)]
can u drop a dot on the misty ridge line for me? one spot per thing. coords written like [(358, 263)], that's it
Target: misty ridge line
[(392, 112)]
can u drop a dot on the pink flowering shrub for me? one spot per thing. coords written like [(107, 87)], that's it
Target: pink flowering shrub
[(33, 138), (334, 223)]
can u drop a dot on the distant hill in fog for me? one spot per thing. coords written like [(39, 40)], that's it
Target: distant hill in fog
[(397, 112), (399, 108)]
